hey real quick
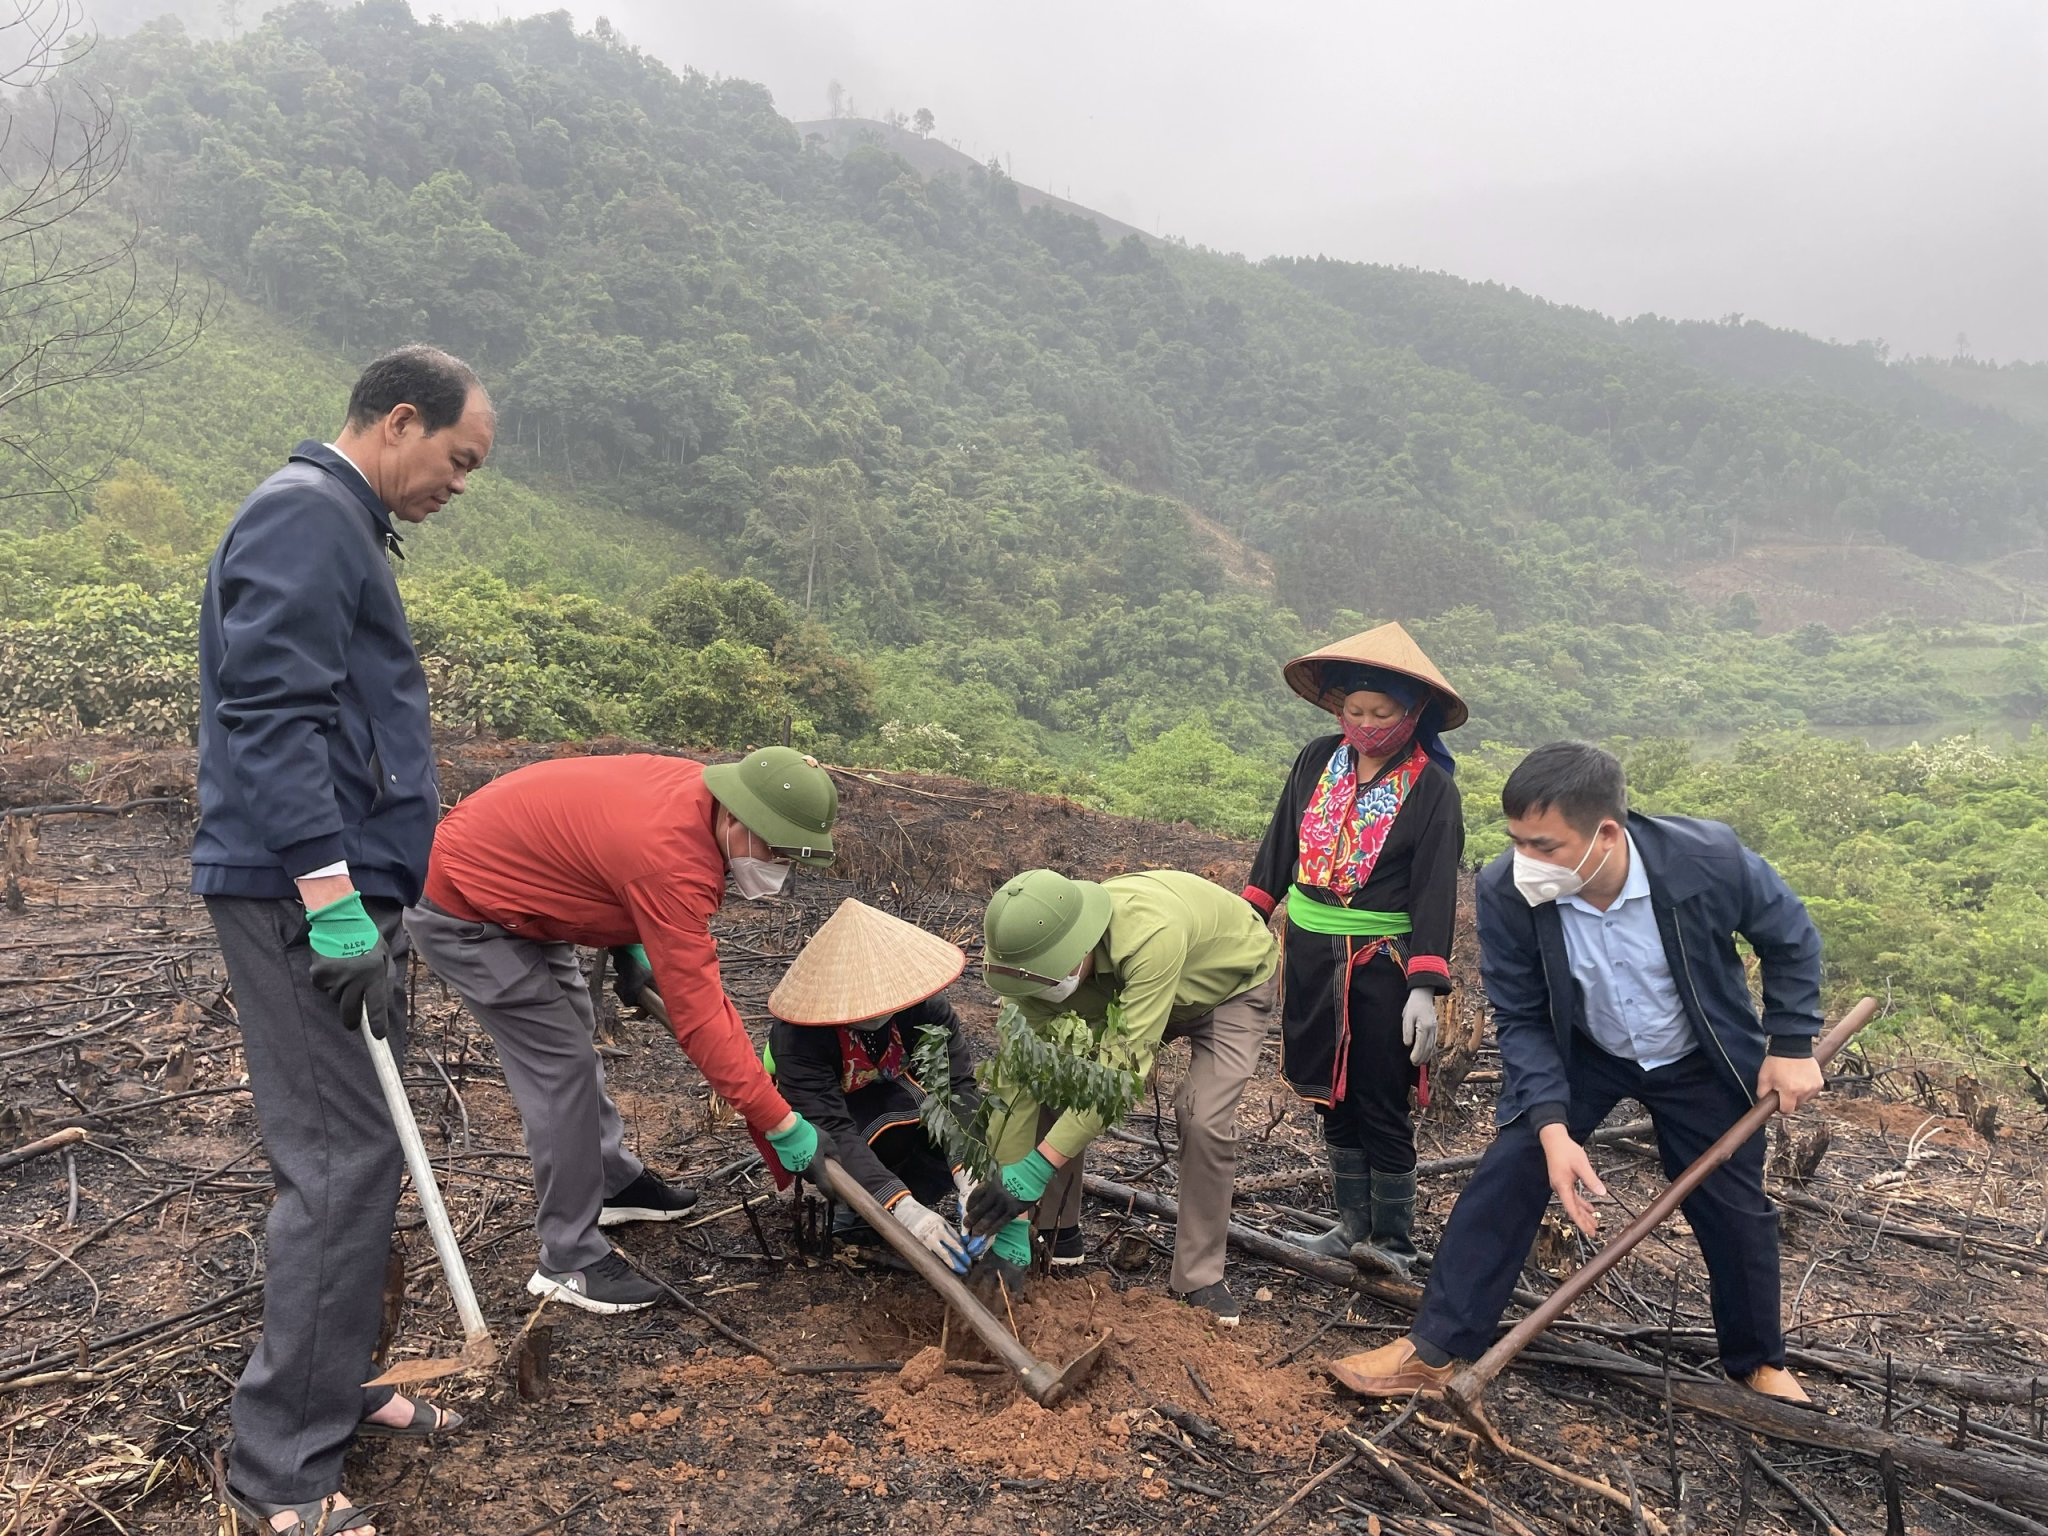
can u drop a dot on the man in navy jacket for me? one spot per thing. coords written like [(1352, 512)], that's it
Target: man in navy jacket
[(1607, 945), (317, 802)]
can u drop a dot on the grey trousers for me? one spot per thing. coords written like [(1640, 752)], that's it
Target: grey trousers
[(336, 1161), (534, 1003)]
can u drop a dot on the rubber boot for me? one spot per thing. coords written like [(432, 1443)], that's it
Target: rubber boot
[(1390, 1249), (1350, 1183)]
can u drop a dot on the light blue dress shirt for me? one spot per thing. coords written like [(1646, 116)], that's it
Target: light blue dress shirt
[(1632, 1006)]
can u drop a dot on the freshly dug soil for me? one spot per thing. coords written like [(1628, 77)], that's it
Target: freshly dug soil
[(986, 1421)]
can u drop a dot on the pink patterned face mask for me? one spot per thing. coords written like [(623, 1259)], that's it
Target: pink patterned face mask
[(1380, 742)]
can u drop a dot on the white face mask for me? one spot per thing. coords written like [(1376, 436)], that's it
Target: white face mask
[(1060, 991), (755, 879), (758, 879), (1539, 881)]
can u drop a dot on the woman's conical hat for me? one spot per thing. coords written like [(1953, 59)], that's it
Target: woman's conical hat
[(863, 964), (1391, 647)]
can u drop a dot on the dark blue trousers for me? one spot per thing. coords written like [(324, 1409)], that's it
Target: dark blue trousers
[(1487, 1239)]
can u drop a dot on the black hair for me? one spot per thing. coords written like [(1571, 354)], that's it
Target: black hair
[(1582, 781), (426, 378)]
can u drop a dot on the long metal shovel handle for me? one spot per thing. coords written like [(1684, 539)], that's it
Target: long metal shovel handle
[(474, 1333)]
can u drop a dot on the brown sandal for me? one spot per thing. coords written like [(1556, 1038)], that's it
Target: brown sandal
[(314, 1517), (439, 1421)]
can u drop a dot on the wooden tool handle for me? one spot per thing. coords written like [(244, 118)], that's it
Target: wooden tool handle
[(1039, 1378), (1466, 1387)]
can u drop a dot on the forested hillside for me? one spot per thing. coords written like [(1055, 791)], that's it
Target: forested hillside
[(961, 485)]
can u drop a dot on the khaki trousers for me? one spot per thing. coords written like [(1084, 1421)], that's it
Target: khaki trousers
[(1223, 1050)]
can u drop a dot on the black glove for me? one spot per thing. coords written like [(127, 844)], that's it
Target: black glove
[(992, 1207), (631, 974), (361, 984)]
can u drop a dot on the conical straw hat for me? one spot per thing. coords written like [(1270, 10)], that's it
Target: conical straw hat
[(1390, 646), (863, 964)]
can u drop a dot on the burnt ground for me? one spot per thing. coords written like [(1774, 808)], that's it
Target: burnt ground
[(129, 1264)]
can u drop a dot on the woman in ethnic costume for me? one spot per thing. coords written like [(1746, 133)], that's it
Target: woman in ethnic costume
[(1363, 850), (847, 1019)]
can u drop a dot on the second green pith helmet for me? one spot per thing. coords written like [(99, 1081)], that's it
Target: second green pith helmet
[(1038, 928), (783, 798)]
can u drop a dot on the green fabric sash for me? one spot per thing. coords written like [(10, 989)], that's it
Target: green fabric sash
[(1358, 922)]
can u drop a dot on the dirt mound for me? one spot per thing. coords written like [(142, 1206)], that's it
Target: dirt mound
[(985, 1421)]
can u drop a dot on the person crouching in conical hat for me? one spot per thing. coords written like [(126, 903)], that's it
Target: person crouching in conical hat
[(847, 1019), (1363, 849)]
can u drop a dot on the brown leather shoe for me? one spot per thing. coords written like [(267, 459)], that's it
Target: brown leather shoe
[(1776, 1382), (1392, 1370)]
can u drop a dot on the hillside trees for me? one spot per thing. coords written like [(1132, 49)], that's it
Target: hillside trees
[(74, 307)]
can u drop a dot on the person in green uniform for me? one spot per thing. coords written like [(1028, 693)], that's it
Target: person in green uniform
[(1142, 959)]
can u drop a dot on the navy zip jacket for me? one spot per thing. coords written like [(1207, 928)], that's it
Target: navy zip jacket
[(313, 737), (1705, 888)]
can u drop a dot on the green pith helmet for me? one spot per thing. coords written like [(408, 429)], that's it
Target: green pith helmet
[(1040, 924), (783, 798)]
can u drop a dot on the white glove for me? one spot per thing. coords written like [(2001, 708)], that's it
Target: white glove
[(933, 1230), (1418, 1025)]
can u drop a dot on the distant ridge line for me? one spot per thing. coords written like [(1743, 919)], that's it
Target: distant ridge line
[(931, 157)]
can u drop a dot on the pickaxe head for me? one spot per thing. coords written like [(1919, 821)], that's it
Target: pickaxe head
[(1049, 1387)]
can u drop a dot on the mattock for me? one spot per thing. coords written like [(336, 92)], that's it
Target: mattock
[(479, 1350), (1466, 1391), (1046, 1384)]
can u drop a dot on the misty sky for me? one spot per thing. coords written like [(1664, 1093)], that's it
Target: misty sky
[(1854, 168)]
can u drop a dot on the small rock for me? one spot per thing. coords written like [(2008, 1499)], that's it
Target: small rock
[(1262, 1294)]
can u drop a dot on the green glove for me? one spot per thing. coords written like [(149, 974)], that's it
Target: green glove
[(1027, 1177), (351, 963), (632, 973), (796, 1147), (342, 930), (1014, 1189), (1013, 1244)]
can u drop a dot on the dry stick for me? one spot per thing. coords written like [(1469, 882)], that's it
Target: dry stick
[(1305, 1490), (1577, 1480), (1978, 1386), (1468, 1387), (101, 1231), (1267, 1183), (1989, 1250), (1785, 1485), (73, 1038), (51, 1143), (554, 1520), (1392, 1471), (1996, 1511), (880, 1367), (709, 1319), (1495, 1513), (90, 807), (1337, 1315)]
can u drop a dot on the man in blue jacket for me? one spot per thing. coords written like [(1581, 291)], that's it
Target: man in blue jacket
[(1607, 948), (317, 801)]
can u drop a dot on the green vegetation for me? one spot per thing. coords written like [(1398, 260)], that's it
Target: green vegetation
[(796, 441), (1064, 1065)]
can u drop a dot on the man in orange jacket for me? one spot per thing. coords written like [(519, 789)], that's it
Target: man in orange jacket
[(631, 854)]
